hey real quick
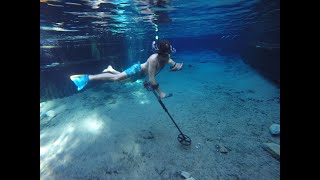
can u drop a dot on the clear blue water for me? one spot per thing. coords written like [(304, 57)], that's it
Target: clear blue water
[(227, 94), (81, 36), (141, 19), (136, 22)]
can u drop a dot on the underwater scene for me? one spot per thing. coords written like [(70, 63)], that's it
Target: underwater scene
[(160, 89)]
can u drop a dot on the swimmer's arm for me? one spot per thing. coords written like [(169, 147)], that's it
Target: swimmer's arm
[(175, 66), (151, 71)]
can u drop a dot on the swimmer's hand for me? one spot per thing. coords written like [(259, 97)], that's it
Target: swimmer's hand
[(164, 95), (147, 85), (177, 67)]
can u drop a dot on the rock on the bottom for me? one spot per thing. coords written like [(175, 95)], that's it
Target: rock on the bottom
[(273, 149), (274, 129), (190, 178), (185, 174), (51, 114), (42, 104)]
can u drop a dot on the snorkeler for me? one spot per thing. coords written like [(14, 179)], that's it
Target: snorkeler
[(151, 67)]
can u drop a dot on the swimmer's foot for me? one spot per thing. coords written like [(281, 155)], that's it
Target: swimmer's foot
[(109, 70)]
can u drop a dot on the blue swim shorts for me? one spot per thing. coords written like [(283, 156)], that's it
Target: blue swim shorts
[(135, 72)]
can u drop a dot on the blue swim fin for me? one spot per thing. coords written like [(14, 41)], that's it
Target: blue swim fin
[(80, 80)]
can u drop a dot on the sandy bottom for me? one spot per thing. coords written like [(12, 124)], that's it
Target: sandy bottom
[(120, 131)]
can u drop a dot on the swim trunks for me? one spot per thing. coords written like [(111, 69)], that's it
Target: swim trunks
[(135, 72)]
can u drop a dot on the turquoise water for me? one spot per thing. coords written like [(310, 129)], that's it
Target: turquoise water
[(225, 98)]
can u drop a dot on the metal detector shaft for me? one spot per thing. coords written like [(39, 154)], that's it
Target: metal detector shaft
[(182, 138), (165, 109)]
